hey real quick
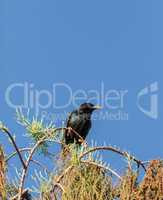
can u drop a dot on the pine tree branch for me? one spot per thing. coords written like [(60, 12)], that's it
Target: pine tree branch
[(4, 129), (110, 148)]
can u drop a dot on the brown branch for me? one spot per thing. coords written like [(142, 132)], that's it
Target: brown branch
[(15, 153), (75, 132), (25, 191), (65, 172), (29, 159), (60, 186), (22, 180), (57, 182), (14, 144), (110, 148)]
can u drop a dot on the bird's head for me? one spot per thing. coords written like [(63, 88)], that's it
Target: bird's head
[(88, 107)]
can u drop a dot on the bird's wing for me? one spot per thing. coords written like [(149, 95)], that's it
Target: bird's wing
[(73, 120), (79, 123)]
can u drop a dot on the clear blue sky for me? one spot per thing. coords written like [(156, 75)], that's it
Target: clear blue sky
[(84, 43)]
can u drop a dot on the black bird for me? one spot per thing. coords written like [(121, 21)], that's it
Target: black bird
[(79, 123)]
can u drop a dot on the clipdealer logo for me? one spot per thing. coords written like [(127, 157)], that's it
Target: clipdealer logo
[(114, 101), (27, 96), (151, 92)]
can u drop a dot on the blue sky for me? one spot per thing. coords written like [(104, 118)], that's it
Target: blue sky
[(81, 44)]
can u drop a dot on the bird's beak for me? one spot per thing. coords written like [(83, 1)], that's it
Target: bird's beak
[(97, 107)]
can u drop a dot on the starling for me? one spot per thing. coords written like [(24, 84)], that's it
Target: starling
[(79, 123)]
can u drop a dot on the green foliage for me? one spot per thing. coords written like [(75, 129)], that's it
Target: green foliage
[(35, 128), (38, 129)]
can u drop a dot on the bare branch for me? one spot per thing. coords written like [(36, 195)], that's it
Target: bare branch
[(57, 181), (63, 174), (25, 191), (75, 132), (29, 159), (15, 153), (110, 148), (60, 186), (22, 180), (14, 144)]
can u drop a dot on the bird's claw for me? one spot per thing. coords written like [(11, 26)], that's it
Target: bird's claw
[(83, 142)]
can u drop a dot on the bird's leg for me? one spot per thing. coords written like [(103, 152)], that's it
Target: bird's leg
[(80, 140), (83, 142)]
